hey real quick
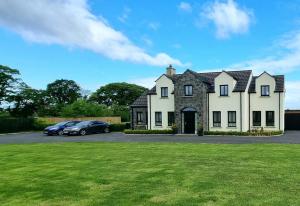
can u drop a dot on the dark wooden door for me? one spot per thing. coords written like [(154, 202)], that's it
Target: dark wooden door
[(189, 122)]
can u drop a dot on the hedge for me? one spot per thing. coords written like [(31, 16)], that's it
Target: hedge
[(252, 133), (119, 127), (129, 131)]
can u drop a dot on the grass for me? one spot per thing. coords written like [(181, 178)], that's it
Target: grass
[(149, 174)]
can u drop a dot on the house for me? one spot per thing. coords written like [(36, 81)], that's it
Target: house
[(217, 101)]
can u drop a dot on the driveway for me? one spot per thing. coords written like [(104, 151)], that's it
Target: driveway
[(290, 137)]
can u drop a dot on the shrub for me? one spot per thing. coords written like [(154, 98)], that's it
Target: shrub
[(119, 127), (129, 131), (11, 124), (251, 133)]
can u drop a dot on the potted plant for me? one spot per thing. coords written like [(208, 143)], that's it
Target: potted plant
[(174, 129), (200, 130)]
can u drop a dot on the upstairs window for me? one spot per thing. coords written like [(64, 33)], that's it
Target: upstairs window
[(158, 119), (139, 117), (265, 90), (217, 119), (231, 119), (171, 118), (188, 90), (256, 118), (164, 92), (223, 90), (269, 118)]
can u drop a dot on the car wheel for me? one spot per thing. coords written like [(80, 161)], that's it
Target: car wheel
[(60, 132), (82, 132), (106, 130)]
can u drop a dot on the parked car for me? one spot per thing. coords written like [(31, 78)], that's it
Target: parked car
[(58, 128), (87, 127)]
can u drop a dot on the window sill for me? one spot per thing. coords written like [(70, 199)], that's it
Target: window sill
[(264, 96), (216, 127), (224, 96), (164, 97), (232, 127), (187, 96), (270, 126)]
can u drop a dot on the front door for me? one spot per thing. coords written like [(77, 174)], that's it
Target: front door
[(189, 122)]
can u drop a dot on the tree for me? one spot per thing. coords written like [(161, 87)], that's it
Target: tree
[(8, 82), (63, 91), (117, 93), (27, 101)]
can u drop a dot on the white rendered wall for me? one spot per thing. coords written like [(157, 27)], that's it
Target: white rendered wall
[(161, 104), (268, 103)]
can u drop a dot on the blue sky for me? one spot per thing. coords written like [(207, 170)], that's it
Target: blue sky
[(95, 42)]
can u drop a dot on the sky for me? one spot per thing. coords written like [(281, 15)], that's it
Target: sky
[(96, 42)]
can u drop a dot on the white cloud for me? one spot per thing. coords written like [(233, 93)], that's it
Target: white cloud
[(147, 41), (123, 18), (154, 25), (70, 23), (148, 82), (184, 6), (292, 97), (228, 18), (287, 58)]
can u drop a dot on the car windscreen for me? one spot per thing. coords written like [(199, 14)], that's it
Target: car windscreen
[(61, 124), (85, 123)]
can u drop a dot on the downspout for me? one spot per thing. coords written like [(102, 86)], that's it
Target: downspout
[(279, 111), (249, 110), (241, 113), (208, 111), (150, 111)]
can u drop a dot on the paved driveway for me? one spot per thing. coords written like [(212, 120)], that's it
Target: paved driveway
[(290, 137)]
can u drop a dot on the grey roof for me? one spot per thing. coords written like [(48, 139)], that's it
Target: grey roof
[(279, 79), (141, 101), (152, 91)]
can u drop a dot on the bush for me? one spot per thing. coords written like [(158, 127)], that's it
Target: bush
[(11, 124), (129, 131), (251, 133), (119, 127)]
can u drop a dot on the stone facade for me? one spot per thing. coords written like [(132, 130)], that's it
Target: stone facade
[(133, 114), (198, 101)]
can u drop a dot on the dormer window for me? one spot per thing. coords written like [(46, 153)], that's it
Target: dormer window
[(223, 90), (265, 90), (164, 92), (188, 90)]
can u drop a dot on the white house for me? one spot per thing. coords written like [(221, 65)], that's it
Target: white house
[(216, 101)]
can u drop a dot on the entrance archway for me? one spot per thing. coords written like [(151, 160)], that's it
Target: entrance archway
[(189, 120)]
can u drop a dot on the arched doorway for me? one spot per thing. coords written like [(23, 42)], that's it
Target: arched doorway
[(189, 120)]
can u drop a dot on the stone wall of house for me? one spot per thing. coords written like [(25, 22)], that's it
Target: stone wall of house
[(198, 101), (133, 118)]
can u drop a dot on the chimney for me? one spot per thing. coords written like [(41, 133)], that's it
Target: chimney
[(170, 71)]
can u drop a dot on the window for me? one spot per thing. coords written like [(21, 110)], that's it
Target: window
[(269, 118), (231, 119), (217, 119), (171, 118), (256, 118), (188, 90), (158, 119), (139, 117), (223, 90), (265, 90), (164, 92)]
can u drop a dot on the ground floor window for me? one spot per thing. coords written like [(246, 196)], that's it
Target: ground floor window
[(158, 119), (256, 118), (139, 117), (217, 119), (269, 118), (231, 119), (171, 118)]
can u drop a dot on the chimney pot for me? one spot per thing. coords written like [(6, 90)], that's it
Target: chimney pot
[(170, 70)]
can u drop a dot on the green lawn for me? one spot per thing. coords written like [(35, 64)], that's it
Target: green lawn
[(149, 174)]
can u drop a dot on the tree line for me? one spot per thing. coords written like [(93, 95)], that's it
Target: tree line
[(64, 98)]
